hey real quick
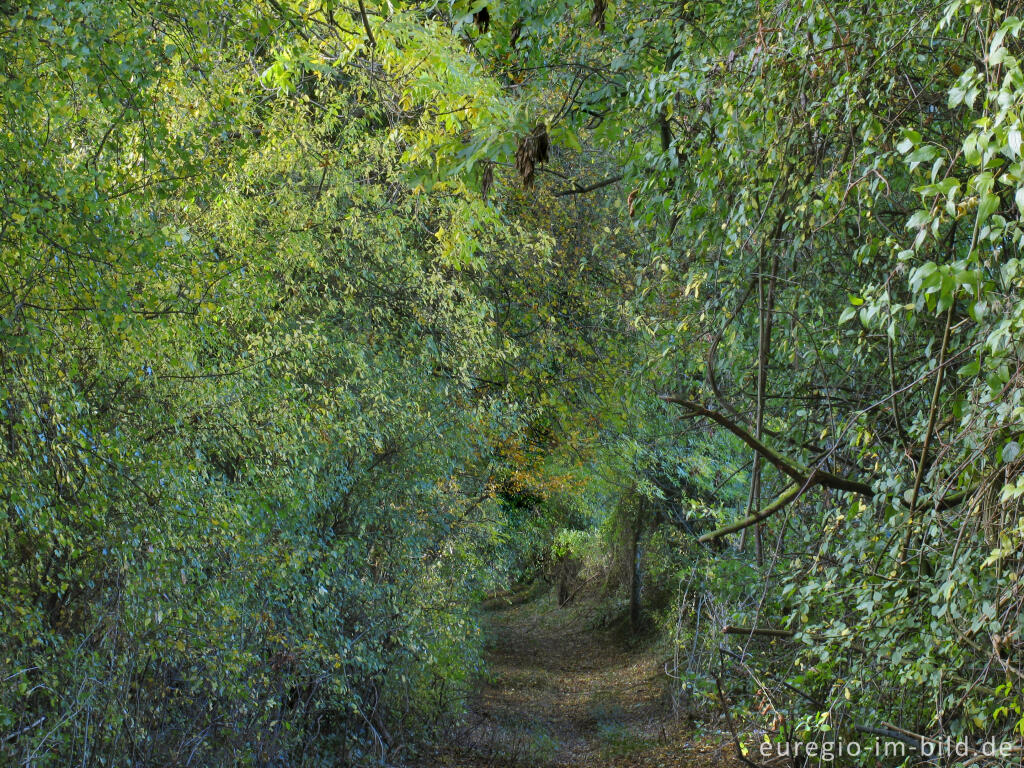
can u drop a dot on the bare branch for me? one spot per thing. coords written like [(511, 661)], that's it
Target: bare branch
[(366, 25), (788, 495), (578, 190)]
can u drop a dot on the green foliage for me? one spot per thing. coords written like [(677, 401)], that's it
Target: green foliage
[(243, 456), (293, 368), (786, 170)]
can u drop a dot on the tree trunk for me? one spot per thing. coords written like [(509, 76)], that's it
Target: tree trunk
[(766, 308), (634, 578)]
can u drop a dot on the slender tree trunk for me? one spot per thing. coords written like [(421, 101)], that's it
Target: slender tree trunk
[(634, 577), (766, 309)]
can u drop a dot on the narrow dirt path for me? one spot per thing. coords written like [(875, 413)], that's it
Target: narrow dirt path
[(566, 694)]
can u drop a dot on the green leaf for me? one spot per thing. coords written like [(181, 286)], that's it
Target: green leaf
[(989, 203), (1010, 451)]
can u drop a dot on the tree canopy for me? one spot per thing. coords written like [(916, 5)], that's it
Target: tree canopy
[(321, 321)]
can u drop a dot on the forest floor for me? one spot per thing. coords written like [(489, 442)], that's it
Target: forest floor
[(563, 692)]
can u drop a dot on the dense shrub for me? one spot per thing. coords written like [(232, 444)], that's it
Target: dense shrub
[(242, 454)]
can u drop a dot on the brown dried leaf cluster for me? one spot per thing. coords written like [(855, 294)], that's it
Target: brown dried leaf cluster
[(533, 150), (482, 19), (486, 179)]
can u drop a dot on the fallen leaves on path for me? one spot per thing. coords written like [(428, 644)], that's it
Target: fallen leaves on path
[(565, 694)]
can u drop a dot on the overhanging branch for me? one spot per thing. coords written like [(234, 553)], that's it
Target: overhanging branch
[(800, 474), (764, 513)]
